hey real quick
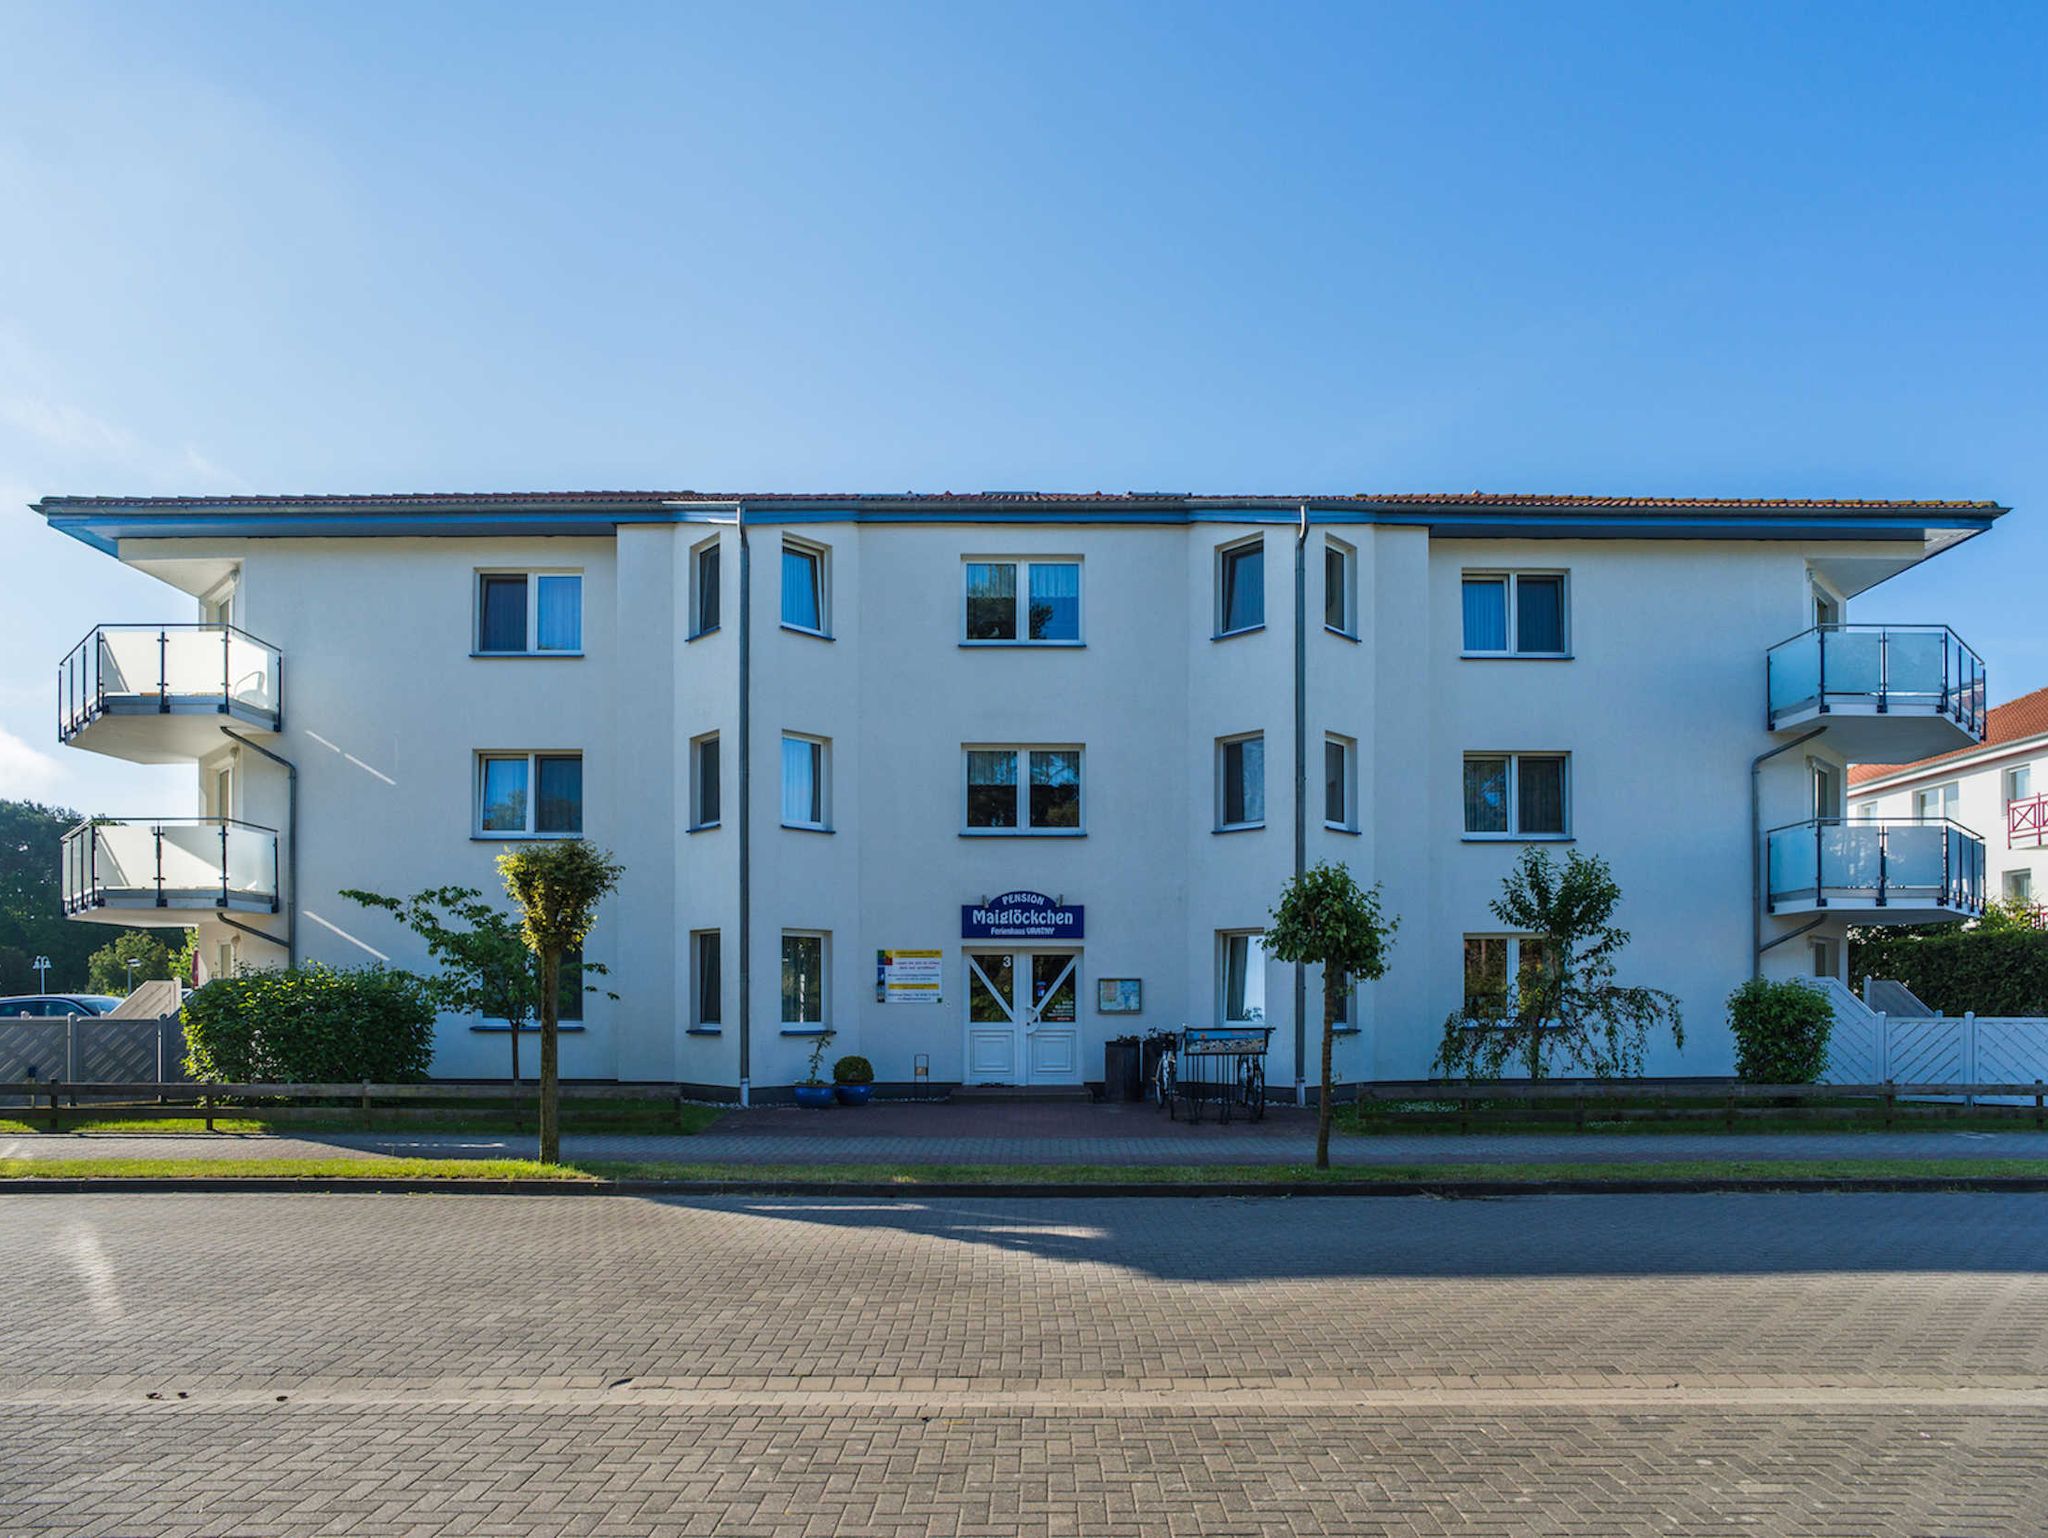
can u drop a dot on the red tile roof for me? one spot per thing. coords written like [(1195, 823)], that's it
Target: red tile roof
[(2014, 721)]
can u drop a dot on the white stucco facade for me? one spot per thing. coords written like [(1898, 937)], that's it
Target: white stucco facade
[(1656, 703)]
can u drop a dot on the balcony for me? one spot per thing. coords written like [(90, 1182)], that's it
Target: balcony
[(1888, 694), (2026, 823), (168, 870), (1897, 870), (157, 694)]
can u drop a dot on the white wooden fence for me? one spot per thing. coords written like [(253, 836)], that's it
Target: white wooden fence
[(1869, 1046)]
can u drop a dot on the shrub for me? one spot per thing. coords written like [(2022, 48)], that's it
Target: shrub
[(315, 1025), (1992, 971), (853, 1069), (1781, 1031)]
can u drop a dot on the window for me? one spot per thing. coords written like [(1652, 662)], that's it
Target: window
[(707, 991), (1515, 795), (704, 781), (1241, 587), (1490, 962), (1938, 801), (804, 764), (803, 587), (1023, 790), (529, 613), (803, 981), (530, 794), (1242, 958), (2018, 886), (1827, 789), (569, 1000), (2019, 783), (1527, 607), (1241, 782), (1340, 588), (1050, 610), (704, 588), (1340, 782)]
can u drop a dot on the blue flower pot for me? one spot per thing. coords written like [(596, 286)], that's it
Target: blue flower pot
[(816, 1096), (854, 1094)]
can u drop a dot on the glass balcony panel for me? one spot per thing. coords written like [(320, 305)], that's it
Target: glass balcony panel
[(137, 669), (191, 854), (1793, 861), (1915, 855), (1918, 667), (128, 663), (125, 855), (1854, 661), (176, 863), (1923, 672), (252, 861), (1795, 672)]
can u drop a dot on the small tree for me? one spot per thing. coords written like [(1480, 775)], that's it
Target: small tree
[(1326, 919), (1565, 1002), (557, 886), (107, 969), (1781, 1031)]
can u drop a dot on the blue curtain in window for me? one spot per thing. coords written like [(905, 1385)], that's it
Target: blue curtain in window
[(1486, 615), (501, 618), (559, 798), (1539, 614), (800, 590), (559, 625), (1244, 588), (504, 795), (1056, 602)]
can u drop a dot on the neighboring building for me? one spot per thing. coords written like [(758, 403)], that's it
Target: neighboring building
[(981, 781), (1999, 788)]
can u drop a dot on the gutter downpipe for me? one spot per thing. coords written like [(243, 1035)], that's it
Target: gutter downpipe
[(1756, 856), (291, 851), (1301, 788), (746, 808)]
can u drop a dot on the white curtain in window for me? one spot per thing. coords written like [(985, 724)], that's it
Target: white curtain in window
[(1255, 780), (1244, 978), (1486, 615), (800, 590), (802, 795), (559, 624)]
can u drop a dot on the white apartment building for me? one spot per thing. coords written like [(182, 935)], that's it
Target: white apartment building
[(978, 782), (1998, 787)]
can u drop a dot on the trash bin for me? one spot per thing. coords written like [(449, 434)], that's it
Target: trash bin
[(1120, 1070)]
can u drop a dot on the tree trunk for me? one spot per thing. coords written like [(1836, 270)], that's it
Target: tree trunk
[(1333, 986), (550, 1087)]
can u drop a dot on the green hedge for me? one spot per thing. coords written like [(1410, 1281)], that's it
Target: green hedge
[(316, 1025), (1781, 1031), (1988, 971)]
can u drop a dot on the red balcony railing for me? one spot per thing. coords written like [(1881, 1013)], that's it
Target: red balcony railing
[(2026, 823)]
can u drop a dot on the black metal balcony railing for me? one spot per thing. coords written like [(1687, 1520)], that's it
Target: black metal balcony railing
[(139, 669), (170, 862), (1918, 862), (1924, 670)]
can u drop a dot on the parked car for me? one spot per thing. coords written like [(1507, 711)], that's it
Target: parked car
[(55, 1006)]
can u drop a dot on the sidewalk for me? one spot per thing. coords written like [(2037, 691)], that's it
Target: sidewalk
[(1009, 1134)]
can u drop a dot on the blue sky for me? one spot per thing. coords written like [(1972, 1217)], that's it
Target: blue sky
[(1708, 250)]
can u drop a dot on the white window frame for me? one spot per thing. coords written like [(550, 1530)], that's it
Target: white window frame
[(1514, 972), (1348, 781), (1222, 760), (531, 756), (1020, 619), (1512, 578), (533, 575), (2018, 783), (697, 939), (1514, 833), (698, 551), (1349, 555), (698, 821), (1224, 554), (1023, 752), (2016, 885), (824, 1021), (823, 771), (1949, 791), (822, 556), (1253, 940)]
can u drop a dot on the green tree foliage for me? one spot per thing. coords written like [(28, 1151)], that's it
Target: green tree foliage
[(1994, 969), (32, 921), (1326, 919), (1781, 1031), (107, 970), (314, 1025), (557, 886), (1567, 1010)]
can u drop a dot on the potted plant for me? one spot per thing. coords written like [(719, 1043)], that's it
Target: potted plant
[(853, 1080), (811, 1089)]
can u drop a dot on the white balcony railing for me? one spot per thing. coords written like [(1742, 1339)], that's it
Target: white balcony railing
[(1872, 864), (1922, 671), (173, 863), (166, 670)]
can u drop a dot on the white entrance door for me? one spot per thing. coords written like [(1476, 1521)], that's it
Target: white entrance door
[(1023, 1026)]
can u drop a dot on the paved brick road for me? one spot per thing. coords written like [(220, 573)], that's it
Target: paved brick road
[(1848, 1365)]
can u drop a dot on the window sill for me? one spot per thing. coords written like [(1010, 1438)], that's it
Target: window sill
[(698, 635), (524, 1030), (1231, 635), (702, 827), (1052, 646), (805, 827), (807, 1030), (1023, 832), (815, 635), (1514, 656), (1342, 635), (705, 1030), (521, 838), (1240, 827), (1517, 838), (1346, 1030), (524, 656), (1338, 827)]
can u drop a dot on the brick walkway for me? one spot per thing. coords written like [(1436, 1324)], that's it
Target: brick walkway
[(1858, 1366), (1002, 1133)]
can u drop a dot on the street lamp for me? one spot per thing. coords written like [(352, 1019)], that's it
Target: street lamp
[(132, 963), (42, 966)]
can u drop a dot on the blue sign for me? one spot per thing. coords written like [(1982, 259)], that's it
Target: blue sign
[(1021, 916)]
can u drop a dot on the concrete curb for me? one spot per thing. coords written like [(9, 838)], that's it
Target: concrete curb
[(869, 1190)]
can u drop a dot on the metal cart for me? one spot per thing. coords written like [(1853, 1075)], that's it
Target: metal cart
[(1223, 1065)]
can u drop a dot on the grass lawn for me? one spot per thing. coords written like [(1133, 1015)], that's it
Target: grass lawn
[(1697, 1115), (305, 1169), (471, 1116)]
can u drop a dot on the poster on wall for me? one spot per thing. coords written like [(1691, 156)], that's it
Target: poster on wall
[(908, 977), (1119, 995)]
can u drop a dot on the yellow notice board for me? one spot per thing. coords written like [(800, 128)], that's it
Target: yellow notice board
[(908, 977)]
